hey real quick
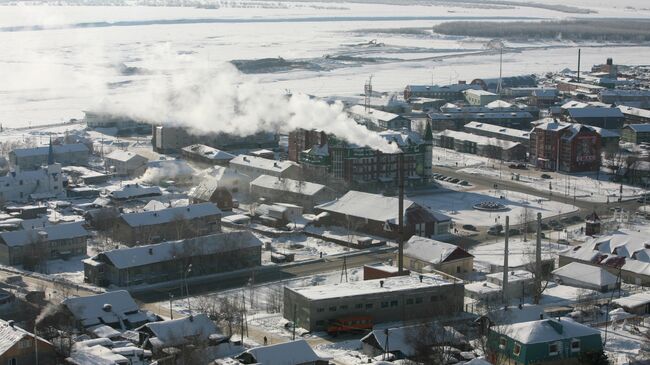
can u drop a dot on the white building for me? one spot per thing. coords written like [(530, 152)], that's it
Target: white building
[(125, 163), (255, 166), (585, 276), (21, 186)]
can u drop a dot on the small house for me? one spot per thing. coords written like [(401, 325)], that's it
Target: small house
[(586, 277), (19, 346), (125, 163), (287, 353), (423, 254)]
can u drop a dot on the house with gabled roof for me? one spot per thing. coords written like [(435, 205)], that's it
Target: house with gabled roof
[(288, 353), (377, 215), (546, 341), (18, 346), (423, 254)]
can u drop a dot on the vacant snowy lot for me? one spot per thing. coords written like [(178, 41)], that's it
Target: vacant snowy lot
[(459, 206)]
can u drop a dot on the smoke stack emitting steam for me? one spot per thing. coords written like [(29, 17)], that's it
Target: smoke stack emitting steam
[(223, 100)]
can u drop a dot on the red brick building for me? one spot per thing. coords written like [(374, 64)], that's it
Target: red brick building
[(302, 139), (568, 147)]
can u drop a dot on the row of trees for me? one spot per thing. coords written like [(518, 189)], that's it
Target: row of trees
[(575, 30)]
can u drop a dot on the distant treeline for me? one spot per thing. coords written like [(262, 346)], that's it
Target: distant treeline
[(615, 30)]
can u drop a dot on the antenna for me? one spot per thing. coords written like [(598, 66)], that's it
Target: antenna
[(367, 90), (344, 270), (500, 69)]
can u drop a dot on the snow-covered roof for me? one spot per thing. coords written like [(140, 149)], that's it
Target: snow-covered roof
[(92, 310), (289, 185), (287, 353), (168, 215), (497, 104), (403, 138), (637, 112), (586, 273), (166, 251), (639, 127), (546, 330), (444, 88), (130, 191), (11, 335), (54, 232), (209, 152), (595, 112), (634, 300), (366, 205), (513, 276), (180, 331), (481, 115), (498, 129), (124, 156), (355, 288), (260, 163), (479, 92), (402, 338), (479, 140), (432, 251), (371, 114), (517, 314), (45, 150)]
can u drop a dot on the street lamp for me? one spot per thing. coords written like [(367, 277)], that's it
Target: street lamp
[(187, 289)]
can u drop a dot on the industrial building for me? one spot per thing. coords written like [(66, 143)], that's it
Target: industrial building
[(452, 92), (398, 298), (495, 131), (479, 97), (377, 120), (167, 139)]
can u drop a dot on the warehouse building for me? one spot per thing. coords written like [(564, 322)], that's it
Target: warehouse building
[(398, 298), (480, 145)]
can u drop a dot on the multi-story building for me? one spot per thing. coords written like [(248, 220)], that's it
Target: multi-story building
[(282, 190), (302, 139), (638, 98), (33, 158), (480, 97), (449, 92), (21, 186), (398, 298), (125, 163), (606, 118), (141, 228), (495, 131), (254, 167), (565, 147), (206, 155), (636, 133), (172, 139), (480, 145), (124, 125), (51, 241), (456, 120), (635, 115), (210, 254)]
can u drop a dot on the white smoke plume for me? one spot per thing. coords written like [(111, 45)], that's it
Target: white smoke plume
[(221, 99)]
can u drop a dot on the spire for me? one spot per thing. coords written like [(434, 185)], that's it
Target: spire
[(428, 133), (50, 154)]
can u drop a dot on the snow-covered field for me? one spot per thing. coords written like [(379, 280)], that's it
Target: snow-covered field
[(53, 68), (459, 206)]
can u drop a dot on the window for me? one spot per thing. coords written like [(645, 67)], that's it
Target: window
[(502, 343), (418, 300), (384, 304), (457, 269), (575, 345), (409, 301), (333, 309), (393, 303), (25, 343), (358, 306), (434, 298), (553, 349), (320, 310), (12, 361), (517, 349), (369, 306), (343, 307)]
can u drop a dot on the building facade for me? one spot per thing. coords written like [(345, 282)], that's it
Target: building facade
[(636, 133), (479, 145), (33, 158), (398, 298), (52, 242), (22, 186), (166, 139), (125, 163), (426, 255), (565, 147), (177, 223), (211, 254)]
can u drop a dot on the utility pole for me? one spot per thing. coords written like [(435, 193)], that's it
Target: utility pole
[(579, 51), (171, 312), (400, 217), (504, 287), (293, 334), (538, 260), (499, 86)]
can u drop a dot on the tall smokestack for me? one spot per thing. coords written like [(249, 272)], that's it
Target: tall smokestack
[(504, 288), (400, 232), (579, 50)]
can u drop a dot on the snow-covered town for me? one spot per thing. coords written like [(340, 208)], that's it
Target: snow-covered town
[(347, 182)]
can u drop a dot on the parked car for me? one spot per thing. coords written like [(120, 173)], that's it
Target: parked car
[(463, 183), (495, 230), (562, 241), (546, 176), (454, 180), (469, 227), (558, 228), (514, 232), (545, 226)]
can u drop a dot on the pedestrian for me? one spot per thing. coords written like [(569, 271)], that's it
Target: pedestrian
[(266, 341), (321, 254)]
